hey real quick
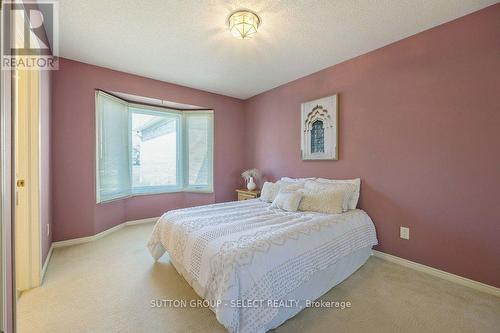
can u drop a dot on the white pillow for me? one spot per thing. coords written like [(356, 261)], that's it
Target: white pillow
[(290, 186), (287, 200), (295, 180), (323, 201), (269, 191), (348, 190), (353, 200)]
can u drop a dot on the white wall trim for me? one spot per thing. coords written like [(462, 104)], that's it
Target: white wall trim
[(82, 240), (439, 273), (46, 263), (100, 235), (141, 221)]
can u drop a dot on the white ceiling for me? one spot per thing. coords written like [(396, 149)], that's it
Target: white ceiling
[(187, 42)]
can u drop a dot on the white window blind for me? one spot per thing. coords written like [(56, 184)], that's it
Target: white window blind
[(199, 144), (113, 172), (145, 150)]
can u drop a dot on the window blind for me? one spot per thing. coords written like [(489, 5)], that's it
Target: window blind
[(199, 143), (113, 170)]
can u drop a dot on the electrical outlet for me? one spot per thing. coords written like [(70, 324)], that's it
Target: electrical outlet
[(404, 233)]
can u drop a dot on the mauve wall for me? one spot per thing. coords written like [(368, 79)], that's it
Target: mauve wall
[(420, 124), (75, 213)]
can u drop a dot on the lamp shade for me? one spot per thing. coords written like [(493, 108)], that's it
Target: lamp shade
[(243, 24)]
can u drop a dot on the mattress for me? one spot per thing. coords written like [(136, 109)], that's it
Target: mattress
[(247, 251)]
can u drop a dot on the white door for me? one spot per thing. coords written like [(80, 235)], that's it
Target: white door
[(27, 168)]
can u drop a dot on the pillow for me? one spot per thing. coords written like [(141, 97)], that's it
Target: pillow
[(290, 186), (295, 180), (353, 201), (269, 191), (348, 190), (287, 200), (323, 201)]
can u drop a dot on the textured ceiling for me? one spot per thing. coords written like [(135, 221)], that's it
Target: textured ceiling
[(187, 42)]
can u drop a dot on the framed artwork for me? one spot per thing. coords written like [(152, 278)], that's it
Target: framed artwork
[(319, 129)]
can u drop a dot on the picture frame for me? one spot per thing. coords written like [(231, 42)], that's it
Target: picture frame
[(319, 129)]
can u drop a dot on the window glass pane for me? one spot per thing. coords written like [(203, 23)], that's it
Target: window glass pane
[(317, 137), (154, 140), (199, 149)]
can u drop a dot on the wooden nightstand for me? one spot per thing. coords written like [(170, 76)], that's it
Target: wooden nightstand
[(244, 194)]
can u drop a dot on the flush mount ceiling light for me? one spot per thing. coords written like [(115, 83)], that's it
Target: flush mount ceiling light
[(243, 24)]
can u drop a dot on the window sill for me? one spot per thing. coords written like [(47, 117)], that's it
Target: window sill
[(141, 194)]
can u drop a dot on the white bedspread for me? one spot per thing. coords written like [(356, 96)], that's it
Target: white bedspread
[(245, 250)]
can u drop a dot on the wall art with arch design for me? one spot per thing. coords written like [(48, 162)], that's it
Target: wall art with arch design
[(319, 129)]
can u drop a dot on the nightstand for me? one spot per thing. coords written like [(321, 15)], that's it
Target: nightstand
[(244, 194)]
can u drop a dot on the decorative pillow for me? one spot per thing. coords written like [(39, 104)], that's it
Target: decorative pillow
[(348, 189), (353, 200), (269, 191), (287, 200), (322, 201)]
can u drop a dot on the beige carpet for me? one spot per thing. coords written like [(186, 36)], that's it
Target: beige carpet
[(107, 286)]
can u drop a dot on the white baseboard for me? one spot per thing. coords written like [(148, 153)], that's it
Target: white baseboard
[(141, 221), (82, 240), (46, 263), (439, 273), (100, 235)]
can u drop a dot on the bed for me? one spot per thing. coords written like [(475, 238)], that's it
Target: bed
[(258, 265)]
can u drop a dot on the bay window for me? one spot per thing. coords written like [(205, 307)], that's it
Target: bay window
[(146, 149)]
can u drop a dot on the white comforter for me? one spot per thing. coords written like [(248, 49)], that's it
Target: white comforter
[(246, 250)]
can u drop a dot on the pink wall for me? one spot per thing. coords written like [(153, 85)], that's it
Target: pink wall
[(75, 213), (420, 124)]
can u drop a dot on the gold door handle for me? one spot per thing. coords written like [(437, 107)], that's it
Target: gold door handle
[(20, 183)]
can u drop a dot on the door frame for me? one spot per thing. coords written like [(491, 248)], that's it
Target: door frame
[(6, 209)]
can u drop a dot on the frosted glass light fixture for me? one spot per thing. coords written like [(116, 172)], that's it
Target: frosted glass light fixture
[(243, 24)]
